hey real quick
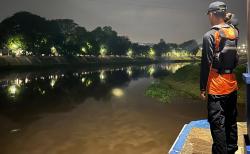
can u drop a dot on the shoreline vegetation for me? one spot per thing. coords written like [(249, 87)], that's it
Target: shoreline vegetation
[(29, 62), (185, 82), (27, 34)]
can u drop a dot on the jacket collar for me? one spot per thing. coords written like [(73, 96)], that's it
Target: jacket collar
[(220, 26)]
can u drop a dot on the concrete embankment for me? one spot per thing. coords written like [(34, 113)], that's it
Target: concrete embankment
[(8, 62)]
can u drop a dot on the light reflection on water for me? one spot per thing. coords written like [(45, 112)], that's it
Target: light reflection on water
[(18, 85), (95, 111)]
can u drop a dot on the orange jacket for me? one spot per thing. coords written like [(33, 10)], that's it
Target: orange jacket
[(212, 81)]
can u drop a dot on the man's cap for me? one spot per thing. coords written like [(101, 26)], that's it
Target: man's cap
[(217, 7)]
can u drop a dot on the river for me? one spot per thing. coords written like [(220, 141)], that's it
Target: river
[(91, 111)]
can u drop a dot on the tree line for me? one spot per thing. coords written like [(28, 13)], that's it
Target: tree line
[(27, 34)]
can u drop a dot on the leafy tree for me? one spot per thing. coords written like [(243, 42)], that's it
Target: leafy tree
[(16, 45)]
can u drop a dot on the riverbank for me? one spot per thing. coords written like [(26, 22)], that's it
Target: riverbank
[(185, 82), (29, 62), (7, 62)]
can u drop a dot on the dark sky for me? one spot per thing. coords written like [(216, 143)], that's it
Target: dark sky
[(140, 20)]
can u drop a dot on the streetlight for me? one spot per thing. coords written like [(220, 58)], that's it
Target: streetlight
[(130, 53), (103, 50)]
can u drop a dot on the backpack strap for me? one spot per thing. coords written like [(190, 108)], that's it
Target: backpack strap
[(217, 41), (224, 33)]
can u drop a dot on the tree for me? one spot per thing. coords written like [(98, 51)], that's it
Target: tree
[(161, 48), (191, 46), (16, 45)]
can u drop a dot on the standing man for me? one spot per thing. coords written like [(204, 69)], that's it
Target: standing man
[(217, 80)]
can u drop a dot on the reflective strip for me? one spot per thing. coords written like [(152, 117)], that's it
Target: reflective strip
[(226, 71), (230, 48)]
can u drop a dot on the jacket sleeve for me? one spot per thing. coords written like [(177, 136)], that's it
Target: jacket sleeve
[(206, 59)]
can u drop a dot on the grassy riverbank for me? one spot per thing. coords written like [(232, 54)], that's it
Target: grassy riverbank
[(185, 83)]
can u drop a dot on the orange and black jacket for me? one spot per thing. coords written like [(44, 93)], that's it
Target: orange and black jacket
[(211, 81)]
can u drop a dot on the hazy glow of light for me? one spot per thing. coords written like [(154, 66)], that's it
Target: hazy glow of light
[(103, 51), (88, 82), (54, 51), (13, 90), (151, 70), (16, 44), (129, 71), (117, 92), (18, 82), (53, 82), (175, 67), (83, 80), (102, 75), (84, 50), (151, 53), (89, 45), (130, 53)]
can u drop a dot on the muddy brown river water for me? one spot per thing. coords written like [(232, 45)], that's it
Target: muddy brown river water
[(99, 111)]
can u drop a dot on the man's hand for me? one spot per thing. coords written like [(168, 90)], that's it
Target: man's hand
[(203, 95)]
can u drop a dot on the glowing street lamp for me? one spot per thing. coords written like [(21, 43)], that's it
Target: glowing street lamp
[(84, 50), (83, 80), (129, 71), (151, 70), (53, 81), (130, 53), (244, 46), (13, 90), (103, 51), (151, 53), (54, 51), (102, 75)]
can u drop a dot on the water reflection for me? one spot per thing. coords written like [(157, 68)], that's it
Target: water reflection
[(13, 90), (117, 92), (175, 66), (61, 90), (101, 110)]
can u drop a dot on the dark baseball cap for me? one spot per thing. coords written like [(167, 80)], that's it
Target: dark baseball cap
[(217, 7)]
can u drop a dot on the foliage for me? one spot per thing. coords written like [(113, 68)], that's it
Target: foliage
[(16, 45), (191, 46), (40, 35), (185, 82)]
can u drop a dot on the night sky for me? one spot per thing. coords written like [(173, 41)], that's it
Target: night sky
[(140, 20)]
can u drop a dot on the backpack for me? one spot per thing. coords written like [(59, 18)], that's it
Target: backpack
[(226, 54)]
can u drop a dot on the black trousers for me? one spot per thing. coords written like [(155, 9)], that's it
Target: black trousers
[(222, 113)]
